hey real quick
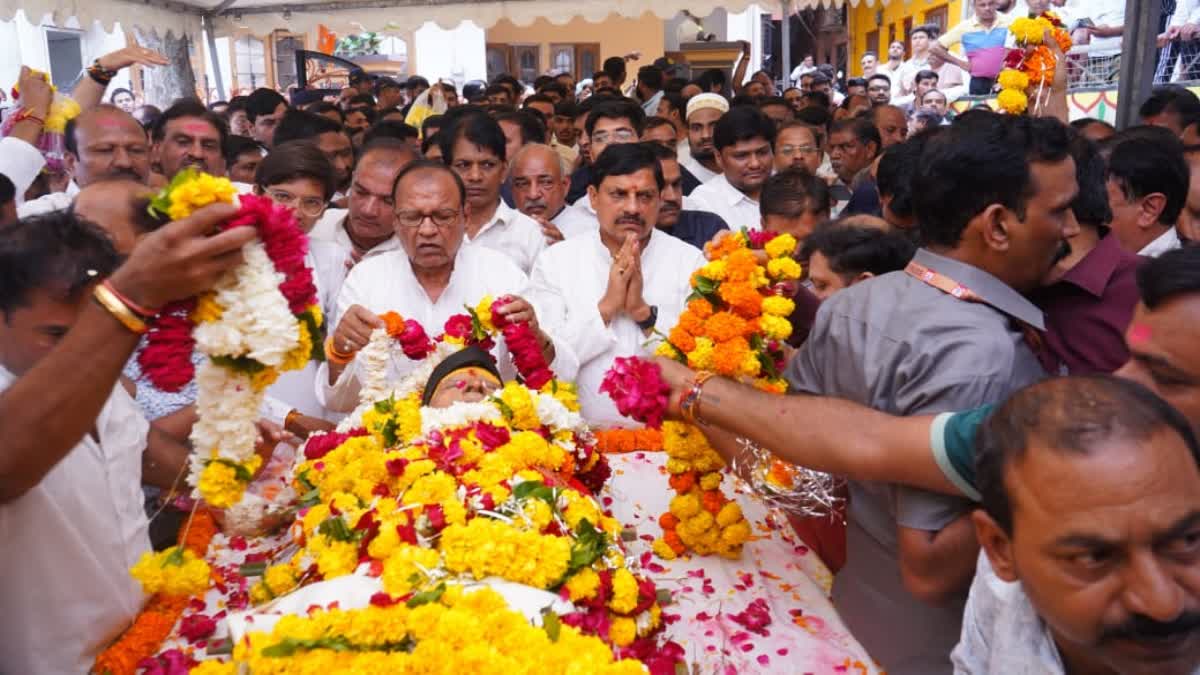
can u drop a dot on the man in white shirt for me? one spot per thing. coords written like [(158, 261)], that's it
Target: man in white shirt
[(539, 186), (474, 146), (367, 227), (1147, 189), (703, 111), (429, 279), (1103, 578), (74, 448), (743, 140), (606, 292), (105, 142), (330, 136), (806, 66), (892, 66)]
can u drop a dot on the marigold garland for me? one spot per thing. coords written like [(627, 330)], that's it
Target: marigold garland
[(161, 612), (1031, 63)]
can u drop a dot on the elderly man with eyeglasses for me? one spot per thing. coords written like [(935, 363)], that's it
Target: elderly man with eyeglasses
[(433, 275)]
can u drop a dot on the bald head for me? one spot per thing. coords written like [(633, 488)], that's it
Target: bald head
[(118, 207), (539, 181), (107, 142), (865, 221)]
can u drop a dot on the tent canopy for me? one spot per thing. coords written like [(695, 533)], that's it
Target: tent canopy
[(347, 16)]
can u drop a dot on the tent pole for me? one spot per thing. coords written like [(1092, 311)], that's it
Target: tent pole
[(1139, 53), (212, 52), (785, 50)]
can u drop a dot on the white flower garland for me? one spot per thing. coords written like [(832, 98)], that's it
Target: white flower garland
[(255, 323)]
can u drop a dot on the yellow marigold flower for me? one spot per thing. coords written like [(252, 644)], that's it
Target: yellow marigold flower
[(538, 513), (175, 572), (433, 488), (335, 558), (624, 592), (566, 393), (782, 246), (264, 378), (577, 508), (784, 269), (198, 193), (710, 481), (528, 449), (701, 358), (219, 484), (775, 327), (1012, 101), (729, 514), (1010, 78), (407, 568), (685, 506), (62, 110), (207, 309), (299, 356), (520, 403), (716, 270), (662, 550), (777, 305), (583, 585), (751, 366), (622, 631), (483, 311)]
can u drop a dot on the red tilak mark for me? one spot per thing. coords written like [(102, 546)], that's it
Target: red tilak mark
[(197, 128), (1139, 333)]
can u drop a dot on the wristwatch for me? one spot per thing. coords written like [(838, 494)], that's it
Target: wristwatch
[(650, 320)]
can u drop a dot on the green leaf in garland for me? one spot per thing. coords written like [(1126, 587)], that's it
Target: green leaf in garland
[(160, 204), (589, 545), (336, 529), (240, 472), (532, 489), (551, 624), (426, 597)]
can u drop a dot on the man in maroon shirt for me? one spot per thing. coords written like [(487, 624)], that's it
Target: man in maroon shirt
[(1089, 301)]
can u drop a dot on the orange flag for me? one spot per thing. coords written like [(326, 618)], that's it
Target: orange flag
[(326, 41)]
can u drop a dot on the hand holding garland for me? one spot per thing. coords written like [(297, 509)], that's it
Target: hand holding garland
[(353, 332)]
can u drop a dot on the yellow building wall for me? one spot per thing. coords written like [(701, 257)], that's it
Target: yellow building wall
[(883, 17), (617, 36)]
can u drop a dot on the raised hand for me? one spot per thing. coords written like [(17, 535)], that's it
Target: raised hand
[(128, 56)]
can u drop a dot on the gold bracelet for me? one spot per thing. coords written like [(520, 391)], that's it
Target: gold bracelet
[(119, 310), (291, 416), (334, 356)]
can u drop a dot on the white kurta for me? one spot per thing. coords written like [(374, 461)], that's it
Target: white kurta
[(701, 172), (68, 545), (512, 233), (568, 282), (574, 221), (295, 388), (387, 283), (21, 163), (735, 208)]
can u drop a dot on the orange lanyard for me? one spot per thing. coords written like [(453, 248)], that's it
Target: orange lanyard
[(941, 282)]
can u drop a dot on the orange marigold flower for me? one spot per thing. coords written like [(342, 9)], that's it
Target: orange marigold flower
[(681, 339), (741, 265), (673, 540), (724, 247), (742, 298), (724, 326), (700, 308), (729, 356), (668, 521), (394, 323), (682, 482), (691, 323), (713, 501)]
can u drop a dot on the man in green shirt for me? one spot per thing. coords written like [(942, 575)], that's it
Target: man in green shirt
[(938, 452)]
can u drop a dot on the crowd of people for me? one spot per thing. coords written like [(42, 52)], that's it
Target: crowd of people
[(993, 342)]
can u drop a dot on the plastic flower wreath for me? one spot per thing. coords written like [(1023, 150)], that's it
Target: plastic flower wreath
[(1031, 63), (260, 319)]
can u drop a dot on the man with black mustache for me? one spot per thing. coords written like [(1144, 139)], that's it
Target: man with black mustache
[(188, 134), (695, 227), (606, 292), (1091, 500), (992, 203)]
